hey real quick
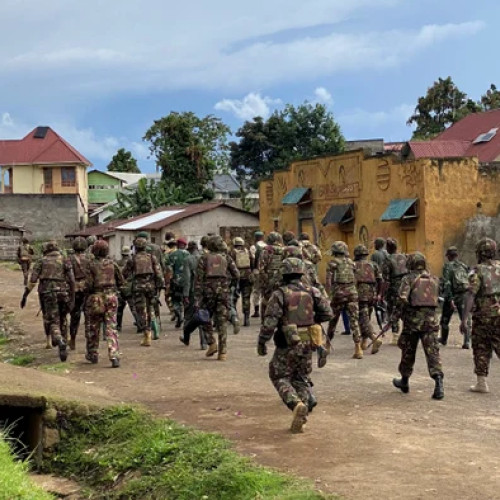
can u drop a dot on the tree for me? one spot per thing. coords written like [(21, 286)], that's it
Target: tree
[(188, 149), (290, 134), (491, 99), (123, 161), (443, 105), (147, 196)]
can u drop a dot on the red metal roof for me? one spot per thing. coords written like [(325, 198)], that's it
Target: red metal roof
[(52, 148), (439, 149), (469, 128)]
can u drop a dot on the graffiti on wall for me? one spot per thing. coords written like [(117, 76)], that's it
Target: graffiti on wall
[(411, 176), (383, 176)]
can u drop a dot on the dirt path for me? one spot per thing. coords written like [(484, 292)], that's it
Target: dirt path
[(365, 440)]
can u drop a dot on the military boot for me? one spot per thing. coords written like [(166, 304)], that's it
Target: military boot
[(222, 357), (48, 342), (438, 389), (256, 313), (212, 349), (203, 340), (115, 363), (63, 350), (146, 339), (395, 338), (466, 344), (72, 343), (445, 331), (236, 325), (481, 385), (376, 345), (179, 320), (299, 418), (358, 352), (92, 357), (246, 320), (402, 384), (365, 343), (312, 402)]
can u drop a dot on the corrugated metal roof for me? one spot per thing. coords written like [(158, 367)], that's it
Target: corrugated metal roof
[(294, 196), (339, 214), (439, 149), (397, 209), (146, 221)]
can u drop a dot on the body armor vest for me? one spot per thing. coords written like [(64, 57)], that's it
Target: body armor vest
[(77, 262), (490, 274), (242, 259), (52, 267), (105, 274), (216, 266), (344, 272), (398, 268), (143, 264), (365, 272), (425, 291), (299, 306), (25, 252)]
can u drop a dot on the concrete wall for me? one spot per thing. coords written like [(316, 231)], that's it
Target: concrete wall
[(9, 242), (45, 216)]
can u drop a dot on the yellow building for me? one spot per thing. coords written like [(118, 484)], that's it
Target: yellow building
[(422, 202), (43, 163)]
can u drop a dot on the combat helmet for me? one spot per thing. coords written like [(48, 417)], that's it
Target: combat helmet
[(292, 251), (288, 236), (141, 243), (238, 242), (416, 261), (91, 240), (452, 251), (125, 250), (292, 265), (339, 248), (274, 238), (360, 251), (100, 248), (79, 244), (216, 244), (51, 246), (143, 234), (486, 247), (204, 241)]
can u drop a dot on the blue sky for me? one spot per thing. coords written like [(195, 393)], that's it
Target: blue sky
[(100, 72)]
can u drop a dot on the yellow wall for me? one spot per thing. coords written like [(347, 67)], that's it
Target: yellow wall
[(448, 192)]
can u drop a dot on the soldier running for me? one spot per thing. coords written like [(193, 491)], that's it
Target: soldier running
[(245, 264), (25, 254)]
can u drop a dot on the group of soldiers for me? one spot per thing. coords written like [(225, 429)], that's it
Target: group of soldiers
[(202, 287)]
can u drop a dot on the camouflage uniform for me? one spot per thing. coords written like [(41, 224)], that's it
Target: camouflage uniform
[(245, 264), (80, 262), (103, 280), (269, 268), (211, 292), (146, 276), (174, 263), (255, 252), (341, 286), (125, 292), (171, 247), (393, 272), (368, 282), (455, 284), (417, 307), (57, 294), (24, 257), (483, 298), (311, 252), (292, 309)]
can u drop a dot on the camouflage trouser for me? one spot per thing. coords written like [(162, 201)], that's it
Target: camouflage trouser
[(25, 267), (256, 290), (392, 299), (446, 315), (76, 315), (101, 309), (365, 325), (485, 340), (408, 343), (246, 292), (289, 371), (168, 298), (123, 300), (176, 299), (144, 308), (55, 308), (352, 310), (218, 306)]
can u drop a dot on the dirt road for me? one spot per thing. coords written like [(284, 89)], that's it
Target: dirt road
[(365, 440)]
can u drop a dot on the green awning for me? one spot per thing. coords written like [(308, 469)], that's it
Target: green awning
[(339, 214), (295, 196), (401, 209)]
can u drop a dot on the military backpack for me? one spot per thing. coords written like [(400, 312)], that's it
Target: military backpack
[(424, 291)]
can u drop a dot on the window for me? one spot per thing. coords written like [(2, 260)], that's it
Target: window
[(68, 177)]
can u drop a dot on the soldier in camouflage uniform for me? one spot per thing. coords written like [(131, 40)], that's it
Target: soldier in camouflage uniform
[(24, 257), (145, 273), (455, 284), (269, 268), (368, 283), (57, 294), (379, 256), (174, 263), (417, 307), (256, 252), (341, 287), (125, 292), (245, 264), (80, 262), (393, 272), (171, 246), (90, 241), (211, 292), (288, 236), (483, 300), (103, 280), (292, 313), (310, 250)]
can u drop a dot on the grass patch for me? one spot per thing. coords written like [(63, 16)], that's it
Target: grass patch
[(22, 360), (14, 480), (54, 368), (3, 339), (123, 452)]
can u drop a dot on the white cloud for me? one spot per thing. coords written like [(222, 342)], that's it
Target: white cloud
[(252, 105), (374, 119), (323, 96)]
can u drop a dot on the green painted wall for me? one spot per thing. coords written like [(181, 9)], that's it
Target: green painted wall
[(102, 187)]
